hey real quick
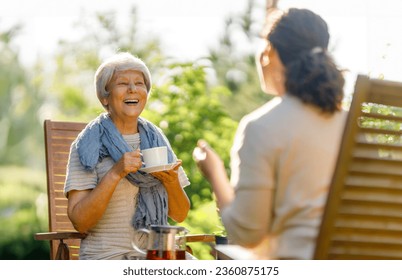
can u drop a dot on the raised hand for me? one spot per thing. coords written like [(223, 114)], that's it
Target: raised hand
[(129, 162)]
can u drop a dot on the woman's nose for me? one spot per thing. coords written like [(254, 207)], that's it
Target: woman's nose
[(132, 87)]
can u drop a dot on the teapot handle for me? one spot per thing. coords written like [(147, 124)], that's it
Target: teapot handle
[(134, 242)]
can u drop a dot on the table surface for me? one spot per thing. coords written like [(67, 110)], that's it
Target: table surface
[(234, 252)]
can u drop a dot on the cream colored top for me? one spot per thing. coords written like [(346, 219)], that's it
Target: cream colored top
[(282, 161), (112, 236)]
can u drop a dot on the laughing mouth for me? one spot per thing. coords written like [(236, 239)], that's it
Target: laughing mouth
[(131, 101)]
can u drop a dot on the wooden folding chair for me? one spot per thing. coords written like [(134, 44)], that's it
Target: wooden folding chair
[(64, 239), (363, 214)]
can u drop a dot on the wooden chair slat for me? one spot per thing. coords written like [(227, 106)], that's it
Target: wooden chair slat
[(380, 131), (58, 139), (381, 116), (363, 213)]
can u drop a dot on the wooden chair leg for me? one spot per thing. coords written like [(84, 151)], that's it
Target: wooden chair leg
[(63, 253), (188, 249)]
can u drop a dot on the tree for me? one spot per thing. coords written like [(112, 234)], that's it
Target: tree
[(20, 101), (187, 108), (234, 63), (76, 61)]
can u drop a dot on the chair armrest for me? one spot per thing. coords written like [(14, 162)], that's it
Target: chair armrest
[(63, 252), (200, 238), (59, 235)]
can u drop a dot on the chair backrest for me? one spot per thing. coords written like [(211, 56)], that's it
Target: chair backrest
[(363, 215), (58, 138)]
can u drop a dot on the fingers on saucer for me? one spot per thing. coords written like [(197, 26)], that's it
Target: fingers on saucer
[(177, 164)]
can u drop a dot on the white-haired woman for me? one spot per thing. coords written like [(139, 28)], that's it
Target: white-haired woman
[(108, 196)]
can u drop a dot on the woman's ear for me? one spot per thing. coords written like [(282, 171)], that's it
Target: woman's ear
[(105, 101), (272, 74)]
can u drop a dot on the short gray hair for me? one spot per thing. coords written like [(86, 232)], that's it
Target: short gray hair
[(119, 62)]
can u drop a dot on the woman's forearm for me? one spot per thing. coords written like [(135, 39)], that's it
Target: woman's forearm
[(213, 169), (221, 187), (87, 207), (178, 202)]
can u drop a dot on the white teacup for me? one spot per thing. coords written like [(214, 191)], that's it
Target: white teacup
[(155, 156)]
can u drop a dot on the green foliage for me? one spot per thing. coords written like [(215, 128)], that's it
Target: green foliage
[(234, 63), (76, 61), (183, 103), (20, 100), (187, 109), (382, 124), (203, 220), (23, 212), (72, 100)]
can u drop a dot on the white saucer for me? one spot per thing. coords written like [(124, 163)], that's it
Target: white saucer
[(157, 168)]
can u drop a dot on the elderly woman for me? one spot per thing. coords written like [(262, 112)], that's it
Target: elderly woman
[(109, 197)]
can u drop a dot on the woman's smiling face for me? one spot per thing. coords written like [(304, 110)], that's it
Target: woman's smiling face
[(128, 96)]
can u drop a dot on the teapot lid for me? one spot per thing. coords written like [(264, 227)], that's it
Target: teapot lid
[(167, 228)]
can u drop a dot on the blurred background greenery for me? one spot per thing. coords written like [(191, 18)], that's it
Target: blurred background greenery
[(190, 100), (200, 98)]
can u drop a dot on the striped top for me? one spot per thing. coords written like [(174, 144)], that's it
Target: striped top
[(112, 236)]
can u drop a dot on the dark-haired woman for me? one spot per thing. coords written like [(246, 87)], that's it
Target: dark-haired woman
[(284, 153)]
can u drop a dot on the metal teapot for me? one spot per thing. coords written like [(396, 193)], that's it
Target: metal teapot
[(163, 242)]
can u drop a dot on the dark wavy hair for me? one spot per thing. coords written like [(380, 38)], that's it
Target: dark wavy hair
[(301, 38)]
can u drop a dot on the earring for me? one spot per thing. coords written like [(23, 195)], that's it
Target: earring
[(264, 60)]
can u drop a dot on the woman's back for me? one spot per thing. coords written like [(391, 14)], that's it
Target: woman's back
[(287, 149)]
